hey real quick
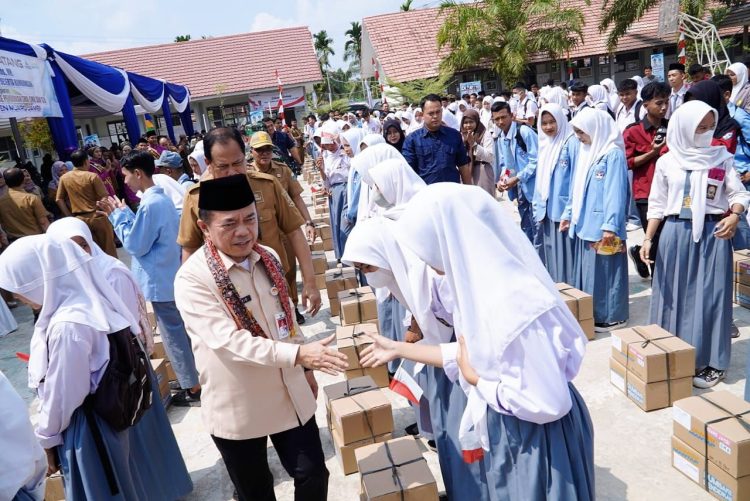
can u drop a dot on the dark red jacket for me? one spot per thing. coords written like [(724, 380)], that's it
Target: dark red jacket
[(638, 138)]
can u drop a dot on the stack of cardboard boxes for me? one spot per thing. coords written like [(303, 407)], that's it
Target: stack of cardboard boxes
[(581, 305), (742, 278), (162, 379), (338, 280), (320, 204), (320, 265), (711, 443), (359, 414), (55, 489), (651, 366), (358, 306), (160, 361), (351, 340), (324, 240)]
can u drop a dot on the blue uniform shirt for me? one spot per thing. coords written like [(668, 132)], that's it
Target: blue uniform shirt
[(436, 156), (559, 186), (523, 162), (283, 142)]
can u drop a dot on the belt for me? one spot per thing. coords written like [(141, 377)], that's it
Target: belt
[(708, 217), (84, 213)]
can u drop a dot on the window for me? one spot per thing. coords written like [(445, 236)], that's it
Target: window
[(117, 132), (235, 114), (7, 149), (162, 127)]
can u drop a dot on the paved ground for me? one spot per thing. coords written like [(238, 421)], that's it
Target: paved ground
[(632, 447)]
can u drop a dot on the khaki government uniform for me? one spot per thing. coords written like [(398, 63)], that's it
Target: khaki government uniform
[(20, 212), (250, 385), (277, 215), (82, 189), (283, 175)]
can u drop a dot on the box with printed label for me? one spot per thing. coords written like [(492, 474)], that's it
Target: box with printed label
[(362, 416), (395, 470), (345, 453), (742, 295), (352, 339), (357, 306), (320, 263), (162, 379), (55, 489), (653, 354), (340, 279), (741, 260), (729, 445), (159, 351), (648, 396), (378, 374)]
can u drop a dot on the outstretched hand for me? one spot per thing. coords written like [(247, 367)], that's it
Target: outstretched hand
[(381, 351)]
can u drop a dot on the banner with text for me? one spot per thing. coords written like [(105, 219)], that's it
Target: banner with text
[(294, 96), (26, 89), (470, 87)]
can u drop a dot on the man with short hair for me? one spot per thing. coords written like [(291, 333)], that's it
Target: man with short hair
[(283, 141), (142, 144), (21, 213), (628, 112), (527, 107), (171, 164), (578, 92), (255, 367), (648, 75), (371, 125), (698, 73), (436, 152), (153, 144), (78, 191), (676, 77), (150, 237), (262, 151)]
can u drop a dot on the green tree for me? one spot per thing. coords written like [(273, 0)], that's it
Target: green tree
[(406, 6), (36, 134), (182, 38), (504, 34), (415, 90), (353, 47), (323, 45)]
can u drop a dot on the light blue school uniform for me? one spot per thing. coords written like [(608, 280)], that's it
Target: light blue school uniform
[(522, 164), (556, 249), (604, 209), (741, 164)]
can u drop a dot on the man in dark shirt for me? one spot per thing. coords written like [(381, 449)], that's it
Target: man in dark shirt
[(436, 152), (283, 141)]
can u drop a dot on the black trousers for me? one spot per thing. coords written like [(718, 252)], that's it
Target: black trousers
[(300, 452)]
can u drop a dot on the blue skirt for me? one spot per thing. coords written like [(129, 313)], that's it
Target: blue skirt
[(337, 204), (692, 291), (390, 321), (146, 460), (556, 251), (605, 278), (533, 462)]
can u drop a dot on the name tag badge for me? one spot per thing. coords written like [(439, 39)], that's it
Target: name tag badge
[(599, 174), (687, 202), (282, 325)]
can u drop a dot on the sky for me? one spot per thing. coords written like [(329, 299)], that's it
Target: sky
[(86, 26)]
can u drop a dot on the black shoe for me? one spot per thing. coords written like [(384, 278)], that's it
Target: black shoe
[(640, 266), (432, 445), (175, 386), (708, 378), (300, 316), (186, 398), (412, 429), (734, 330), (607, 327)]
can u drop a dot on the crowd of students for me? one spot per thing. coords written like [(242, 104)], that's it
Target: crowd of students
[(464, 294)]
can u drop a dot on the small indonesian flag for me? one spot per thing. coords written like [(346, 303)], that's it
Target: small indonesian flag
[(681, 46), (22, 356), (280, 113), (404, 384)]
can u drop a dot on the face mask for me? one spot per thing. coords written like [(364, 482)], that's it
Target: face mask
[(380, 200), (378, 279), (704, 140)]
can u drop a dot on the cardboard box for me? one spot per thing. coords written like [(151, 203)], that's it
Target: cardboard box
[(580, 303), (152, 319), (320, 263), (345, 453), (362, 416), (340, 279), (159, 351), (729, 445), (588, 328), (347, 388), (741, 260), (335, 307), (317, 246), (162, 379), (688, 461), (324, 230), (320, 281), (319, 220), (690, 416), (742, 295), (378, 374), (357, 306), (395, 470), (171, 375), (321, 210), (352, 339), (648, 396), (653, 354), (328, 244), (55, 488)]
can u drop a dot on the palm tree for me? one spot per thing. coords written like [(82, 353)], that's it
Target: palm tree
[(406, 6), (182, 38), (353, 46), (324, 49), (506, 33)]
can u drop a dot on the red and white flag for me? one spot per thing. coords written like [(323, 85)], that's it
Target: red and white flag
[(405, 385), (377, 77), (280, 112), (681, 46)]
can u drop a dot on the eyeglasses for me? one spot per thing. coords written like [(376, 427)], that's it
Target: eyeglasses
[(264, 149)]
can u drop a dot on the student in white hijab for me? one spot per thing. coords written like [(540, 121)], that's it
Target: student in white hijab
[(350, 142), (23, 464), (485, 113), (198, 162), (69, 356), (449, 116), (595, 214), (520, 346), (373, 247), (369, 158), (558, 96), (393, 183), (694, 186), (738, 73), (417, 123), (599, 97), (355, 186), (111, 269), (558, 152), (611, 88)]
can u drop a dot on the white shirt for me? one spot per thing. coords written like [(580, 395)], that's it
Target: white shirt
[(676, 99), (625, 117), (373, 124), (336, 167), (527, 109), (668, 190)]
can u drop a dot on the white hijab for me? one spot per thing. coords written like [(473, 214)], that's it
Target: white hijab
[(406, 276), (638, 80), (449, 118), (558, 96), (353, 138), (363, 162), (550, 147), (684, 152), (614, 97), (498, 293), (605, 136), (174, 190), (398, 183), (599, 95), (72, 292), (740, 70), (200, 158), (371, 140)]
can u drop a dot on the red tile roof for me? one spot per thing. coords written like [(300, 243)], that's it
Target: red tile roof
[(240, 63), (405, 45)]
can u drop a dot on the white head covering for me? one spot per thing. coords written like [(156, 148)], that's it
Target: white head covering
[(398, 183), (605, 136), (353, 138), (72, 292), (174, 190), (598, 94), (558, 96), (371, 140), (689, 157), (550, 147), (498, 293), (406, 276), (614, 97), (329, 133), (638, 80), (449, 119), (740, 70), (362, 163), (199, 157)]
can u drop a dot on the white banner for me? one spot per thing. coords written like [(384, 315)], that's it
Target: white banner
[(26, 89), (294, 96), (470, 87), (657, 66)]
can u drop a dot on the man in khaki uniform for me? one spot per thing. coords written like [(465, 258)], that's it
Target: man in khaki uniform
[(277, 214), (81, 189), (21, 213), (262, 155), (255, 371)]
